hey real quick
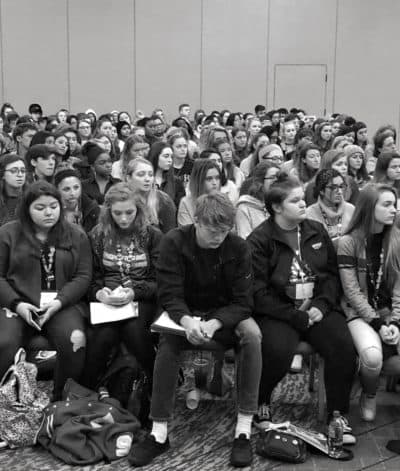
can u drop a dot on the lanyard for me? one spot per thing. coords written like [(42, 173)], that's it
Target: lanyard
[(299, 267), (376, 283), (48, 267)]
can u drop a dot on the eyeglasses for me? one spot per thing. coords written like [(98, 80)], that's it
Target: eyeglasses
[(16, 170), (337, 187), (270, 178), (274, 159)]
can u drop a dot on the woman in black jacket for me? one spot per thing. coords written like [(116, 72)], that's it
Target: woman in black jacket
[(296, 297)]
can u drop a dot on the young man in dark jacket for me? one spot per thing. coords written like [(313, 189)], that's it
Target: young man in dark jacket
[(204, 271)]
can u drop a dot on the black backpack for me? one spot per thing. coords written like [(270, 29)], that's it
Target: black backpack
[(126, 381)]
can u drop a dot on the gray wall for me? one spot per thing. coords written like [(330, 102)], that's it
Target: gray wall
[(333, 55)]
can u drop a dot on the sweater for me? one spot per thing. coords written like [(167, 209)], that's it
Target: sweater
[(353, 274), (250, 213), (142, 272), (332, 218)]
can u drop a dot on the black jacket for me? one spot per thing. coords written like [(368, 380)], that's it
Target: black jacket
[(272, 259), (178, 270)]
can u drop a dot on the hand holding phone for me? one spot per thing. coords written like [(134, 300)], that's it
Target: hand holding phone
[(29, 313)]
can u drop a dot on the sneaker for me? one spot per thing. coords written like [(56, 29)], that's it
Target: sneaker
[(368, 407), (263, 418), (348, 436), (242, 453), (297, 364), (144, 452)]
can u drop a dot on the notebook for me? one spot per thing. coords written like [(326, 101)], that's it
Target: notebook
[(164, 324), (101, 313)]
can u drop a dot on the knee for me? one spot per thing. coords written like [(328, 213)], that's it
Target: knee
[(371, 358), (78, 340), (248, 332)]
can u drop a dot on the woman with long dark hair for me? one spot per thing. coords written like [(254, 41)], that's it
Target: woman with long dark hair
[(160, 156), (40, 254)]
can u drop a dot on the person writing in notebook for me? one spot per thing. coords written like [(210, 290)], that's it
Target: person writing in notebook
[(204, 271)]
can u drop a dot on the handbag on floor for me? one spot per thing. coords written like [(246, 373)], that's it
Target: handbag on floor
[(281, 446), (21, 403)]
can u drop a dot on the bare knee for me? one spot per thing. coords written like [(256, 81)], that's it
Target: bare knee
[(78, 340), (371, 358)]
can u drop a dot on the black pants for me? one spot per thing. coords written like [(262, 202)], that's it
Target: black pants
[(66, 333), (134, 333), (330, 338)]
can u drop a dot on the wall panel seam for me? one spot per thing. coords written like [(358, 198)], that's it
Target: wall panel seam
[(2, 55), (268, 40), (134, 60), (68, 55), (335, 59), (201, 52)]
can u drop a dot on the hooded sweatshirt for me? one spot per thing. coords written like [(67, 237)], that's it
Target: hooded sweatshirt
[(251, 212)]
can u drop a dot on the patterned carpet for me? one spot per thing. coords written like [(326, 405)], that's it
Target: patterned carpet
[(200, 439)]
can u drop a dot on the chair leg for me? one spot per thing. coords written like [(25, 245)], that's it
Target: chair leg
[(321, 390), (311, 382), (391, 382)]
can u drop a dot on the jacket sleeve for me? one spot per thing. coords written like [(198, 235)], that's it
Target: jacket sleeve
[(267, 301), (347, 259), (8, 296), (167, 214), (327, 290), (73, 291), (241, 305), (171, 279), (184, 215), (97, 282), (147, 289)]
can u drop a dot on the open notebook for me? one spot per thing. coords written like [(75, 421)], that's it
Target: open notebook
[(164, 324), (101, 313)]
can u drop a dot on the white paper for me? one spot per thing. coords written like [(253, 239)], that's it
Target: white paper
[(46, 297), (101, 313), (165, 323)]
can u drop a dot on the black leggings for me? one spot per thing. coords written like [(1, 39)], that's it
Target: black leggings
[(331, 339), (134, 333), (66, 333)]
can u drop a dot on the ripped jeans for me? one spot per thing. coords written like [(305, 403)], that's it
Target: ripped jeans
[(65, 331)]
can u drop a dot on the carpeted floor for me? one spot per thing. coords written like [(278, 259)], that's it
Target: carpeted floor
[(200, 439)]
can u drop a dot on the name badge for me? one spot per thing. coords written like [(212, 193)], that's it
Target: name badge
[(46, 297), (304, 290)]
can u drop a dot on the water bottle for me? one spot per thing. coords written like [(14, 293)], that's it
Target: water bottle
[(335, 435)]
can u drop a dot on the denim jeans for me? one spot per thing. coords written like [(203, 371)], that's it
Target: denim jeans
[(246, 338)]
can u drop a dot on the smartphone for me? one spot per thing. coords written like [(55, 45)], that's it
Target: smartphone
[(35, 319)]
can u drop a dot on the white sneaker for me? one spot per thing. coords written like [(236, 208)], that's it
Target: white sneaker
[(368, 407)]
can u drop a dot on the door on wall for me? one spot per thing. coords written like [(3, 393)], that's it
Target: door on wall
[(301, 86)]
